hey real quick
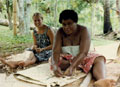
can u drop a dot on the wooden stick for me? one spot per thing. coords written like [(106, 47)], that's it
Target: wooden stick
[(86, 81), (15, 16)]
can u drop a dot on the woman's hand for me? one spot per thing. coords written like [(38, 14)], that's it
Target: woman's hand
[(71, 68), (34, 47), (69, 71), (38, 50), (57, 71)]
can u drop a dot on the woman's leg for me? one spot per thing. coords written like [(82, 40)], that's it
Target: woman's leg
[(99, 68), (100, 74), (31, 60), (11, 64)]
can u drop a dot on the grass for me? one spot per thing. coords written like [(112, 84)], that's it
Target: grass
[(101, 41), (12, 45)]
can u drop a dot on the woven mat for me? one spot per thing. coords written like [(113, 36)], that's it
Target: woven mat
[(42, 75)]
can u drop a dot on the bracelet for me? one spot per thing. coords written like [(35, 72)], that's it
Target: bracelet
[(54, 67)]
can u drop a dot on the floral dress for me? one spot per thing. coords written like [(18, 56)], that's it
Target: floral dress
[(42, 41)]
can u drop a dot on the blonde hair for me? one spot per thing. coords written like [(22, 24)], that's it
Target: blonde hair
[(37, 14)]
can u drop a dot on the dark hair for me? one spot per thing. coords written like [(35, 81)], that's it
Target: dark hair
[(37, 14), (68, 14)]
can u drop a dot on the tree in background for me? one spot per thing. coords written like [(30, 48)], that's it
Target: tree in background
[(24, 16), (27, 16), (15, 17), (89, 12), (118, 11), (107, 23), (9, 6), (21, 16), (78, 5), (1, 5)]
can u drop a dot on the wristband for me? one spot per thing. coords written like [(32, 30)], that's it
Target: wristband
[(54, 67)]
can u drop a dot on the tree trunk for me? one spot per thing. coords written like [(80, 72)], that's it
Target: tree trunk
[(9, 12), (55, 14), (21, 17), (27, 15), (118, 11), (15, 16), (107, 22), (92, 20)]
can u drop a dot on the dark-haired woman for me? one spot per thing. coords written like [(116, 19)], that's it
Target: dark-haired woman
[(71, 49)]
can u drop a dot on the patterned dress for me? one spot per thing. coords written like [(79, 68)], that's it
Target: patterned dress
[(42, 41)]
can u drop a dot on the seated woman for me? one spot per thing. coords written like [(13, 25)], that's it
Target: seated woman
[(71, 49), (43, 41)]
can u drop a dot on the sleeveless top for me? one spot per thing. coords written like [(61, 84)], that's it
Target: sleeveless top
[(42, 41)]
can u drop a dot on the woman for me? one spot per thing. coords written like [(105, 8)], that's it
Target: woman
[(71, 49), (43, 41)]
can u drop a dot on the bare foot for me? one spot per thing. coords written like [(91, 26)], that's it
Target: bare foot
[(11, 64), (21, 63), (3, 60), (26, 64), (105, 83)]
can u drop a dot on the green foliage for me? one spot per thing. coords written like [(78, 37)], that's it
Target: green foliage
[(82, 7), (112, 2), (8, 3), (7, 34), (78, 5), (1, 6), (9, 43), (85, 10)]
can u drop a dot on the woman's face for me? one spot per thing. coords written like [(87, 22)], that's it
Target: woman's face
[(69, 26), (38, 21)]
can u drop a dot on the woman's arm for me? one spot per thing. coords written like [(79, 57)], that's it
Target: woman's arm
[(34, 41), (84, 47), (56, 54), (51, 37), (57, 48)]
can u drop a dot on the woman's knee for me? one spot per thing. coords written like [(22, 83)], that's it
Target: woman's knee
[(99, 59)]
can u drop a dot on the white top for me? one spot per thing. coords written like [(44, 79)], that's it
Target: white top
[(73, 50)]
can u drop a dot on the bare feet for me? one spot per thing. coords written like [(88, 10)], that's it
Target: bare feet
[(105, 83), (11, 64), (2, 60), (21, 63)]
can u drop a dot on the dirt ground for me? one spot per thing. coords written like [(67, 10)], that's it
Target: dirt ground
[(109, 51)]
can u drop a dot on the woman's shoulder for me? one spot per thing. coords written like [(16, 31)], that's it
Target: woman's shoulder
[(34, 31), (48, 30), (60, 29), (82, 27), (46, 27), (83, 30)]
